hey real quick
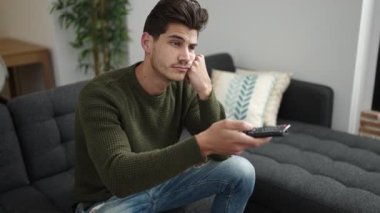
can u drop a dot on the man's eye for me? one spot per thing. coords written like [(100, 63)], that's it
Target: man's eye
[(176, 43)]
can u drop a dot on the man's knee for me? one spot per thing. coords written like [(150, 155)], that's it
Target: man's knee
[(242, 170)]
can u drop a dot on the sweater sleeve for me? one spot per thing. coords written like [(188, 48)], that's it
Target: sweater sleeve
[(122, 171), (203, 113)]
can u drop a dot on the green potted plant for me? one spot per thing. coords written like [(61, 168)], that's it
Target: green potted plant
[(100, 31)]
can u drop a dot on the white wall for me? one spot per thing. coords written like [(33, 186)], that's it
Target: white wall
[(31, 21), (27, 20), (316, 40), (136, 18)]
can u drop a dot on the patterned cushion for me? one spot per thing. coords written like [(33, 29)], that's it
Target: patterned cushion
[(278, 89), (251, 96)]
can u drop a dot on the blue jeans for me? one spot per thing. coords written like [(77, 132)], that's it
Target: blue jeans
[(231, 181)]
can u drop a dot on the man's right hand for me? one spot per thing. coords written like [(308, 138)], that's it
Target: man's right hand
[(226, 137)]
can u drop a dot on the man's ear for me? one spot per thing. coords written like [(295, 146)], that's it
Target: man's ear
[(147, 42)]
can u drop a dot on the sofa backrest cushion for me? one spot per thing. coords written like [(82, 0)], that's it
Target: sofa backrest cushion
[(219, 61), (308, 102), (45, 125), (12, 169)]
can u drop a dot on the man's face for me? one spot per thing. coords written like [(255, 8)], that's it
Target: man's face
[(174, 52)]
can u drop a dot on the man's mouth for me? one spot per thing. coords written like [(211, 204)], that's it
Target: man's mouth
[(182, 68)]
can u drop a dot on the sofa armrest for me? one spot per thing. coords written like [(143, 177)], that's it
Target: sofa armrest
[(307, 102)]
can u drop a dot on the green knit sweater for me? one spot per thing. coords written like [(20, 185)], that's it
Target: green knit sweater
[(127, 140)]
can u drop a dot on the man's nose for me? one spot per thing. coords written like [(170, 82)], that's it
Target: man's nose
[(185, 55)]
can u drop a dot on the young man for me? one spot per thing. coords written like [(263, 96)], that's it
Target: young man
[(129, 121)]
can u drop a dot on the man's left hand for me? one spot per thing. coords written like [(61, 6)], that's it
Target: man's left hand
[(199, 78)]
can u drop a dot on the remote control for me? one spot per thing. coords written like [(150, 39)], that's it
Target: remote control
[(268, 131)]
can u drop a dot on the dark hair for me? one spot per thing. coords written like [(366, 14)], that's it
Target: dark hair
[(186, 12)]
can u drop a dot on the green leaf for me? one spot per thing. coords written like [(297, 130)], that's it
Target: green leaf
[(107, 31)]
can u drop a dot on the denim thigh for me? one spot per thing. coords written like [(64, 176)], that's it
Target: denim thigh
[(195, 183)]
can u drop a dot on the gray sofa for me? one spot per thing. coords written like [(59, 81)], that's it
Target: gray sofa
[(313, 169)]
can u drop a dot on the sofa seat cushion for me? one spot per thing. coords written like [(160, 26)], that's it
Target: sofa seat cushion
[(12, 169), (26, 199), (58, 188), (315, 169)]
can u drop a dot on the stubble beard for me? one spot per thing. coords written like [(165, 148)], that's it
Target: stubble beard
[(164, 71)]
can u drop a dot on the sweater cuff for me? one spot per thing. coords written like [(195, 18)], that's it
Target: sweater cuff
[(193, 150), (211, 101)]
